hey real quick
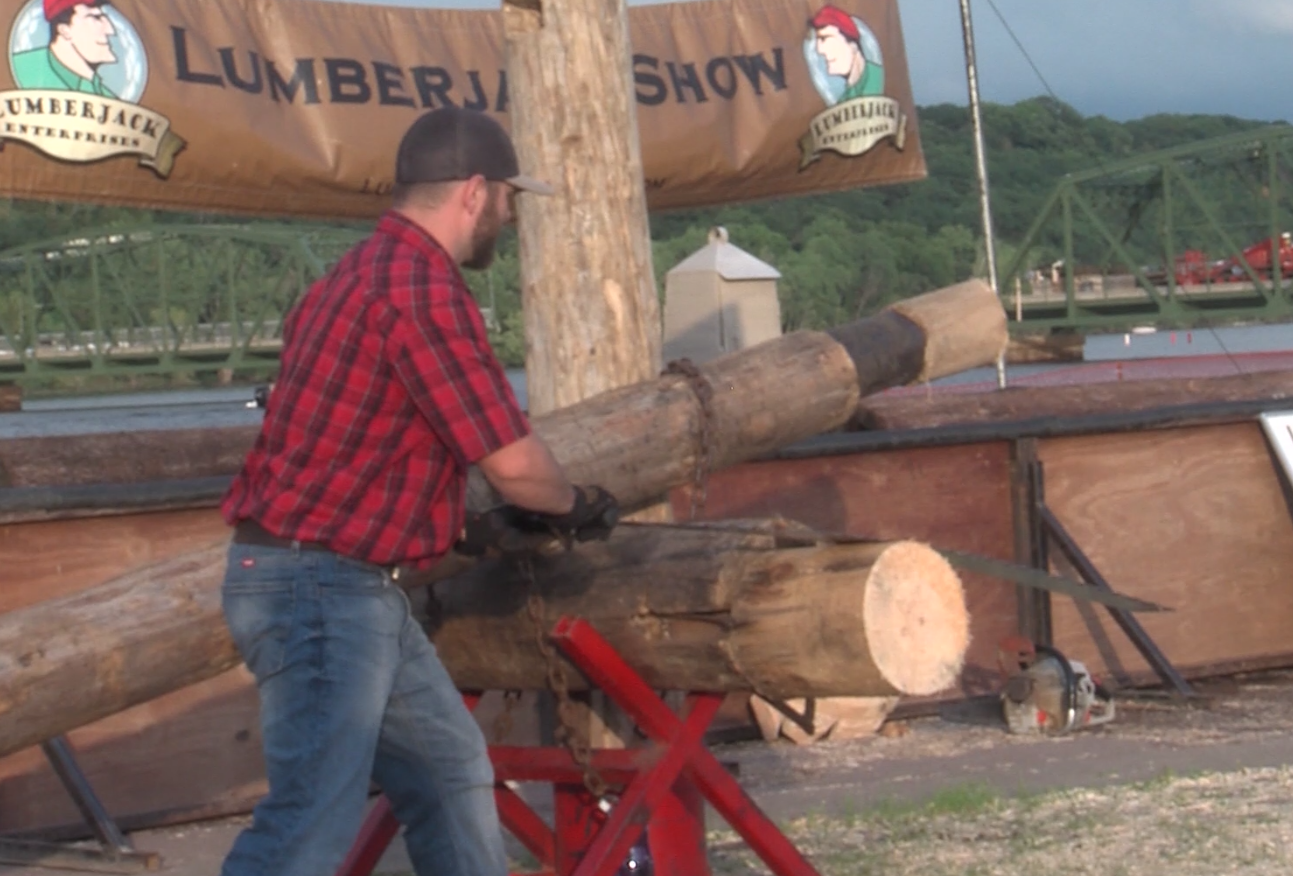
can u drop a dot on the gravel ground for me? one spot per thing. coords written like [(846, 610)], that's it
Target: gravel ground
[(950, 797), (1204, 789), (1228, 823)]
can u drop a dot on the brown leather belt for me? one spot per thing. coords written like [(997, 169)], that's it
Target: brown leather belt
[(249, 532)]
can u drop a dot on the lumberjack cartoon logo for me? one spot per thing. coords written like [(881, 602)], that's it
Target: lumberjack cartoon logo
[(847, 69), (80, 70)]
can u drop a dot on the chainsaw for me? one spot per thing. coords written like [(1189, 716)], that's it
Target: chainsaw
[(1047, 693)]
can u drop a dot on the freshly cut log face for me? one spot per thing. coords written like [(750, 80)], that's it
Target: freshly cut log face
[(913, 594), (763, 608)]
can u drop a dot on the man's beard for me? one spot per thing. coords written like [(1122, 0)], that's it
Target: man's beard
[(483, 238)]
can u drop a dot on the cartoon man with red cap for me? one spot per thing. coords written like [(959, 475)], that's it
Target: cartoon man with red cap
[(850, 51), (80, 42)]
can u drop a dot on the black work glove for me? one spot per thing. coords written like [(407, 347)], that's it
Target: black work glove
[(498, 529), (591, 519)]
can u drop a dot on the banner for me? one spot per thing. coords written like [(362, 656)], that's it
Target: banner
[(295, 108)]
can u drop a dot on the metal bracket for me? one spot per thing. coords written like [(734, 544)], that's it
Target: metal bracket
[(116, 854), (1038, 529)]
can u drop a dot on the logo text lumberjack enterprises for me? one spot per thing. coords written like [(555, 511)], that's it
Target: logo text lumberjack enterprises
[(78, 129), (79, 69)]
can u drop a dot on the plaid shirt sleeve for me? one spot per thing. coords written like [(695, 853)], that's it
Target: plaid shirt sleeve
[(441, 353)]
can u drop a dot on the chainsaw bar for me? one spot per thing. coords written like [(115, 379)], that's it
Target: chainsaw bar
[(1013, 572)]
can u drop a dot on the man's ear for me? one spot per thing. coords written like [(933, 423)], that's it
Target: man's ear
[(475, 194)]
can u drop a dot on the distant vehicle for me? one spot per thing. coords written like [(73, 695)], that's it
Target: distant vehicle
[(1193, 267)]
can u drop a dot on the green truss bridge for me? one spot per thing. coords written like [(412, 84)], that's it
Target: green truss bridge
[(157, 299), (1162, 239), (1172, 239)]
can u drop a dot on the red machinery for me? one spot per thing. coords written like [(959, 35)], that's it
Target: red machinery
[(660, 788), (1194, 268)]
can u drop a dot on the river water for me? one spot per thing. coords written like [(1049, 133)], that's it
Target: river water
[(232, 406)]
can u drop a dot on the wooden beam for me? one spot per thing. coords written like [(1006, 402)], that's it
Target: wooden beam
[(923, 411)]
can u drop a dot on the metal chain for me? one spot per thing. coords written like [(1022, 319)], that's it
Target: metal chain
[(567, 731), (704, 392), (502, 727)]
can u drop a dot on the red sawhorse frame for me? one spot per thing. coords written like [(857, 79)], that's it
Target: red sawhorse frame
[(661, 787)]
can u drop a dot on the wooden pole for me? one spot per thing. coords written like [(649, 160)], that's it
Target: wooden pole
[(592, 315), (590, 307)]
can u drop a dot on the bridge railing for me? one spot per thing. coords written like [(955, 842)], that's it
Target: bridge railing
[(156, 299)]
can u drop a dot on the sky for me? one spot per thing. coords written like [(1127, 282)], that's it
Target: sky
[(1121, 58)]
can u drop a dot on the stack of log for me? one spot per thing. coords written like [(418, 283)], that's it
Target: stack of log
[(750, 609)]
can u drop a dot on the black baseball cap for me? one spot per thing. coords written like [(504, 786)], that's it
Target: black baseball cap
[(453, 143)]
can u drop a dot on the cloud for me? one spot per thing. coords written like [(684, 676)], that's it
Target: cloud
[(1261, 17)]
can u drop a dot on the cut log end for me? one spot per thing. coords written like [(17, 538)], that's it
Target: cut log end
[(916, 622)]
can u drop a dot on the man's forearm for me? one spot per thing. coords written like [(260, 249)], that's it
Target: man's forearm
[(527, 475)]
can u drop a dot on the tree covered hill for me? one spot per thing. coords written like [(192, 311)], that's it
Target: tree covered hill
[(843, 254)]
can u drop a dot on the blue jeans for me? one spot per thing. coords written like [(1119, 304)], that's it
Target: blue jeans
[(352, 690)]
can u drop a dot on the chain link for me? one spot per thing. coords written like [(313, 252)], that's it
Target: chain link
[(503, 722), (567, 731), (704, 392)]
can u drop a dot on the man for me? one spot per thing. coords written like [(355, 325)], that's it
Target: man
[(80, 42), (839, 42), (387, 392)]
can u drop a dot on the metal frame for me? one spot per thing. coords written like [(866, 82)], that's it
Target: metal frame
[(116, 853), (1162, 178), (661, 787)]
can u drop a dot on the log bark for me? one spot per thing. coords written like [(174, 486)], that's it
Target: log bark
[(592, 314), (10, 397), (1090, 399), (710, 609)]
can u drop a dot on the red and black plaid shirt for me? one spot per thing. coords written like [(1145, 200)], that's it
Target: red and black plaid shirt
[(388, 391)]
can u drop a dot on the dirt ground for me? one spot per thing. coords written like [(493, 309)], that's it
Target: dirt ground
[(1204, 788)]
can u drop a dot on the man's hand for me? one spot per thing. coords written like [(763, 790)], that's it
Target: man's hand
[(592, 518), (498, 530), (508, 529)]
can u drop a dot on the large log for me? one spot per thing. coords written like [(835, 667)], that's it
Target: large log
[(692, 609), (160, 628), (718, 610), (70, 661)]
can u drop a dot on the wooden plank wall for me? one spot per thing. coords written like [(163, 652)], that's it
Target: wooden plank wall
[(1192, 518), (193, 752), (951, 497)]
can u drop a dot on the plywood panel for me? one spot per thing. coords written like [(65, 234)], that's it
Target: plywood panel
[(951, 497), (195, 749), (1190, 518), (47, 559), (195, 752)]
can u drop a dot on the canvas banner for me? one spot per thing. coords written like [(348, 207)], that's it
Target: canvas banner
[(295, 108)]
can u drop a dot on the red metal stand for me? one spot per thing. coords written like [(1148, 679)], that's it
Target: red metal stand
[(661, 787)]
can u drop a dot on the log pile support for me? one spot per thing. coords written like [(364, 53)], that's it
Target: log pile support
[(661, 786)]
